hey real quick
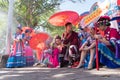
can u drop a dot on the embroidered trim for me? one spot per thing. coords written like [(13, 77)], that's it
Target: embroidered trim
[(109, 57)]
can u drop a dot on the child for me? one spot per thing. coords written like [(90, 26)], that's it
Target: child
[(46, 55), (55, 53)]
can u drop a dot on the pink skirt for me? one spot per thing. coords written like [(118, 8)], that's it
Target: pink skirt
[(29, 56), (54, 59)]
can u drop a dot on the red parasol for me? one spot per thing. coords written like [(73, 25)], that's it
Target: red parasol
[(38, 40), (60, 18)]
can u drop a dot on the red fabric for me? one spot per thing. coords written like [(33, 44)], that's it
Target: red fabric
[(71, 38), (38, 40), (38, 54), (104, 17), (111, 33), (118, 2), (119, 34), (75, 64)]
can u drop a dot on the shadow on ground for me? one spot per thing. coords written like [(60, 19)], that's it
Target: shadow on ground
[(36, 73)]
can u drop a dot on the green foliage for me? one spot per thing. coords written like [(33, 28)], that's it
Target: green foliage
[(34, 12), (4, 5), (3, 27), (55, 30), (31, 12), (74, 1)]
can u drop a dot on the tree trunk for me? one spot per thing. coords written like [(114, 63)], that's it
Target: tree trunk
[(10, 24)]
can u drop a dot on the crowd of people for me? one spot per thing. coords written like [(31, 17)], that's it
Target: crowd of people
[(71, 49)]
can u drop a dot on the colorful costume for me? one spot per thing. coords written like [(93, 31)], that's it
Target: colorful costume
[(70, 50), (107, 56), (54, 57), (16, 57), (83, 36), (28, 52), (118, 46), (46, 56)]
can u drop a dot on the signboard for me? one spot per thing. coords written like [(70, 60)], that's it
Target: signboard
[(94, 16)]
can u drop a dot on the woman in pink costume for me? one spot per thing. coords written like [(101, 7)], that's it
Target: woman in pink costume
[(28, 49)]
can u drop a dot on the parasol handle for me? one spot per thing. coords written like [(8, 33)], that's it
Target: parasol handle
[(97, 55)]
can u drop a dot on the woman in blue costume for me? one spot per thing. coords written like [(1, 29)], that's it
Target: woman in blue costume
[(16, 57), (87, 51), (107, 44)]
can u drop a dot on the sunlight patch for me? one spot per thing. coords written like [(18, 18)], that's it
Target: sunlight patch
[(7, 76), (4, 72), (62, 75)]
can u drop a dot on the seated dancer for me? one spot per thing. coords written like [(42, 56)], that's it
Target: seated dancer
[(107, 44), (70, 44), (46, 55), (83, 35), (54, 57), (88, 47), (58, 42)]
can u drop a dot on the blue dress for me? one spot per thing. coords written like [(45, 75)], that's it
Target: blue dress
[(107, 53), (16, 57)]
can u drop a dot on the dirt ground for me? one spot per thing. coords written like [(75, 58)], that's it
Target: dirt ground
[(37, 73)]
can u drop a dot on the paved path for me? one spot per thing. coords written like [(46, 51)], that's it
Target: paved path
[(36, 73)]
